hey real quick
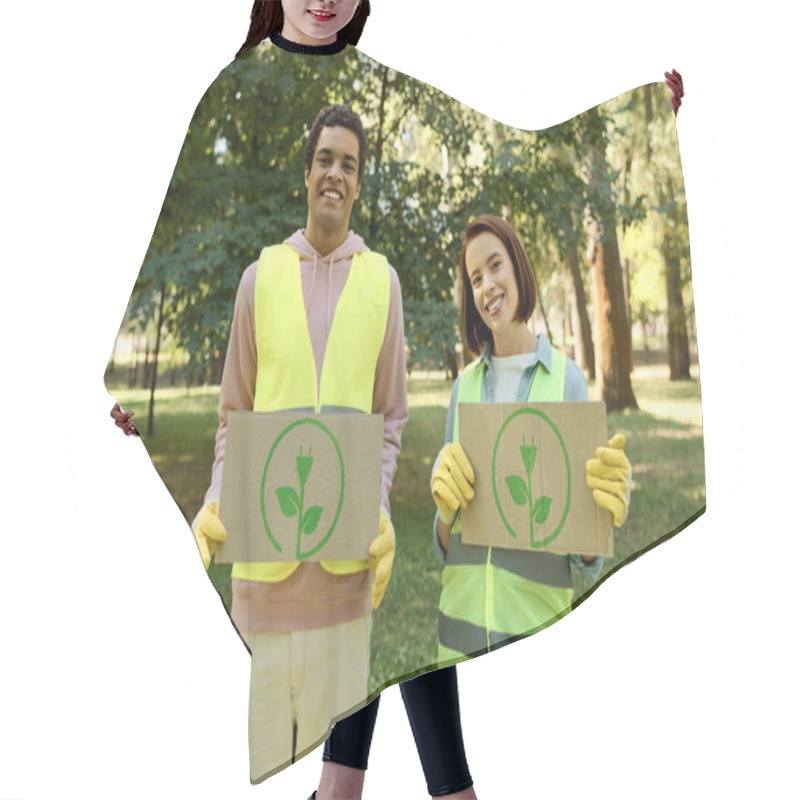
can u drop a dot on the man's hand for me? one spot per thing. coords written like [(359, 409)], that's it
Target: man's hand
[(124, 420), (451, 485), (208, 530), (609, 475), (381, 558), (675, 83)]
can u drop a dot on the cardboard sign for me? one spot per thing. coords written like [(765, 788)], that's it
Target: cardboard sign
[(300, 486), (530, 477)]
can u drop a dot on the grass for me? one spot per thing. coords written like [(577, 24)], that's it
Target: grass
[(664, 443)]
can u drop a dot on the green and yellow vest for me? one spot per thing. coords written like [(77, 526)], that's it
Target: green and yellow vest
[(491, 596), (286, 377)]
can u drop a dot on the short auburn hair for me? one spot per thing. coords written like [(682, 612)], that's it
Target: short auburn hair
[(266, 19), (337, 116), (474, 332)]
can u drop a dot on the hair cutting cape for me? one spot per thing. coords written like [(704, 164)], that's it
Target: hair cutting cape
[(598, 203)]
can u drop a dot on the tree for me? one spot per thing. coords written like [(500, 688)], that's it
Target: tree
[(657, 241), (674, 245), (584, 351), (613, 329)]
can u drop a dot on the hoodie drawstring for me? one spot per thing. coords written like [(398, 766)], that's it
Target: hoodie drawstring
[(311, 290), (328, 311)]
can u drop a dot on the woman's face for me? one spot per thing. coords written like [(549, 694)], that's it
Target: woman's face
[(315, 22), (494, 285)]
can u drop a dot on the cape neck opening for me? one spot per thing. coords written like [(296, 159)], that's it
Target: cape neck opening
[(307, 49)]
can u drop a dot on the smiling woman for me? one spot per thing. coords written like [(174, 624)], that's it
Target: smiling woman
[(316, 21), (502, 290), (306, 22)]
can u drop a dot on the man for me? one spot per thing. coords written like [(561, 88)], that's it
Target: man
[(317, 325)]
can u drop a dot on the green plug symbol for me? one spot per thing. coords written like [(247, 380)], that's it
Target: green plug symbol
[(292, 503), (521, 492)]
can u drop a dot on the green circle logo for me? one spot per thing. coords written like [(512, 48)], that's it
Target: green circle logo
[(290, 499), (517, 490)]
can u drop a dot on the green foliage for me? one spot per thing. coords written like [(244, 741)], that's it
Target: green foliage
[(431, 327), (432, 165), (654, 219)]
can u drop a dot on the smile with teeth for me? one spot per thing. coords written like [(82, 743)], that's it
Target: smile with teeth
[(493, 307), (332, 194), (323, 16)]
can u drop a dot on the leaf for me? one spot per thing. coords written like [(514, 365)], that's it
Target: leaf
[(289, 501), (518, 489), (541, 509), (311, 519)]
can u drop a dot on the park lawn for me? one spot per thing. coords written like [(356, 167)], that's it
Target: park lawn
[(664, 443)]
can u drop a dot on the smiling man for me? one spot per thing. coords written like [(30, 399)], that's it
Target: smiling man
[(320, 298)]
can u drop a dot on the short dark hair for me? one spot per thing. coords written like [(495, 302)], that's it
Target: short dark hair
[(474, 332), (340, 116), (266, 19)]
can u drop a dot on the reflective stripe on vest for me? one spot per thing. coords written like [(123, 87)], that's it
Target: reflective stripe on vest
[(491, 594), (286, 376)]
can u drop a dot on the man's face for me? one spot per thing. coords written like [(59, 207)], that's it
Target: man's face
[(332, 181)]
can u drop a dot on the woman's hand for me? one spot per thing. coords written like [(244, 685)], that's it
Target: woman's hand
[(608, 474), (124, 420), (451, 484), (675, 82)]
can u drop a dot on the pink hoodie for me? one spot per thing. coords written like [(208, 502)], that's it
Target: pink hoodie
[(323, 280)]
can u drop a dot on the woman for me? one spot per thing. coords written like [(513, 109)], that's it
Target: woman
[(530, 591), (301, 22), (490, 595)]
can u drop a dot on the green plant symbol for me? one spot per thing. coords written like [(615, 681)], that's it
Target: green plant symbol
[(292, 503), (520, 489), (522, 494)]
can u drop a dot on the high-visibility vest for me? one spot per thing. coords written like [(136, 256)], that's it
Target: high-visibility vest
[(491, 596), (286, 377)]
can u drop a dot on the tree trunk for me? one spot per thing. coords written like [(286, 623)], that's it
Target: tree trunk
[(584, 346), (677, 338), (613, 378), (626, 272), (146, 370), (643, 316), (540, 304), (374, 213), (452, 364), (613, 330), (155, 363)]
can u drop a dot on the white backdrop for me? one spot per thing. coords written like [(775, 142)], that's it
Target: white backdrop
[(120, 675)]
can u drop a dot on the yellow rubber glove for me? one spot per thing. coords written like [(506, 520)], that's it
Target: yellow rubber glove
[(208, 530), (609, 475), (451, 485), (381, 558)]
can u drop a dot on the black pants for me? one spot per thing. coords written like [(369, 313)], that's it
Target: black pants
[(432, 706)]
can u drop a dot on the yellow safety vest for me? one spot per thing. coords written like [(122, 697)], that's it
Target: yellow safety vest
[(286, 377), (492, 596)]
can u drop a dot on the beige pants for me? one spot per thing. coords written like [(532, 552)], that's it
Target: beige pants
[(300, 682)]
